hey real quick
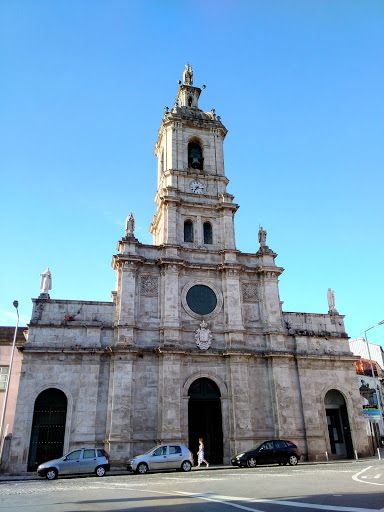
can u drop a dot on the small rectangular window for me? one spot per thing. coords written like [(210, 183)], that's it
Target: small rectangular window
[(3, 377)]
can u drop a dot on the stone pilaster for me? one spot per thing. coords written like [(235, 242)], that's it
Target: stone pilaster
[(126, 306), (170, 304), (169, 412), (234, 326), (120, 406)]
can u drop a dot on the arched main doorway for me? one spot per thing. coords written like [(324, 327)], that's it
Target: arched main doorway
[(48, 427), (204, 420), (339, 430)]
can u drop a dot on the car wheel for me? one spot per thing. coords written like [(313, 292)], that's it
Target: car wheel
[(142, 468), (51, 474), (186, 466), (293, 460), (100, 471), (251, 462)]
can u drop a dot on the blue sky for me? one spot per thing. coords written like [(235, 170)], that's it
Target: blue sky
[(299, 86)]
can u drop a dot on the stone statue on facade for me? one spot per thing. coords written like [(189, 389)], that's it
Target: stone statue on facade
[(188, 75), (331, 301), (129, 226), (262, 237), (203, 336), (45, 283)]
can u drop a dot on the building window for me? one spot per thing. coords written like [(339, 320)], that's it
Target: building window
[(195, 156), (3, 377), (201, 299), (207, 233), (188, 231)]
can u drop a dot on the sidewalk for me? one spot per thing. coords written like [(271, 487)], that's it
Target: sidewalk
[(119, 472)]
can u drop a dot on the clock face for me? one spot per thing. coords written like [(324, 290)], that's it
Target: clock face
[(197, 187)]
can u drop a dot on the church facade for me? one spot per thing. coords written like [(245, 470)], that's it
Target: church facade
[(194, 342)]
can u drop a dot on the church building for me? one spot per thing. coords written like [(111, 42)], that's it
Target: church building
[(194, 342)]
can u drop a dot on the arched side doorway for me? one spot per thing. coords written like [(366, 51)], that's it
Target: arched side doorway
[(205, 420), (48, 427), (339, 430)]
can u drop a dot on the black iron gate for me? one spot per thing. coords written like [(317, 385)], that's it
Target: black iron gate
[(48, 427)]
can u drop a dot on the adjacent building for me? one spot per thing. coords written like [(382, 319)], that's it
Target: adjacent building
[(194, 342), (13, 375), (371, 386)]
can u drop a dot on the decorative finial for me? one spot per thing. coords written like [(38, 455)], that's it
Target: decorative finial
[(188, 75), (166, 110)]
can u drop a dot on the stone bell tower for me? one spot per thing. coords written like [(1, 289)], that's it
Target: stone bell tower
[(193, 207)]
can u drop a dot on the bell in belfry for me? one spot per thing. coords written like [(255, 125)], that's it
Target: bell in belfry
[(195, 157)]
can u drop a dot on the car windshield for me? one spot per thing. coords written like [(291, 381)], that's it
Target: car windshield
[(255, 446), (151, 450)]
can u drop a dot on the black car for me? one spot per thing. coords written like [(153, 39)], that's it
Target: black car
[(274, 451)]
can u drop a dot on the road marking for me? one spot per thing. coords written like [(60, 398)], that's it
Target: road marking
[(356, 477), (377, 476), (224, 500)]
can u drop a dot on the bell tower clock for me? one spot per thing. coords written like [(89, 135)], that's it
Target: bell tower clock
[(193, 206)]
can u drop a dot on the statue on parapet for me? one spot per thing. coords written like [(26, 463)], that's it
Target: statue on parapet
[(188, 75), (331, 301), (130, 226), (45, 284), (262, 237)]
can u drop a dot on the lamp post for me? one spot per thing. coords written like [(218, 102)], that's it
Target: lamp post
[(373, 374), (16, 305)]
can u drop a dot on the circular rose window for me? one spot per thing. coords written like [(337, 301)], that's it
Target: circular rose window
[(200, 300)]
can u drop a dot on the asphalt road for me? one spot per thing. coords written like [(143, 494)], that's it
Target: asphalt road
[(343, 487)]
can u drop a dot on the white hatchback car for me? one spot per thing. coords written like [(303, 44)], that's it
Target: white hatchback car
[(164, 456)]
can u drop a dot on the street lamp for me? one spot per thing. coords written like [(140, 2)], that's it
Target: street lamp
[(373, 374), (16, 305)]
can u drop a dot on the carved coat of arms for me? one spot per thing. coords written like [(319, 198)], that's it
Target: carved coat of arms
[(203, 336)]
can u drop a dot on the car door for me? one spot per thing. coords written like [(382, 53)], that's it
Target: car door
[(70, 464), (175, 456), (158, 459), (88, 462), (266, 453), (280, 451)]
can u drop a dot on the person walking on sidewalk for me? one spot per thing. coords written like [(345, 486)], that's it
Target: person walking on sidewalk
[(200, 454)]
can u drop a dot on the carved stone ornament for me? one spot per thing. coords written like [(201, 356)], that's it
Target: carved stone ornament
[(250, 292), (203, 336), (148, 285)]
